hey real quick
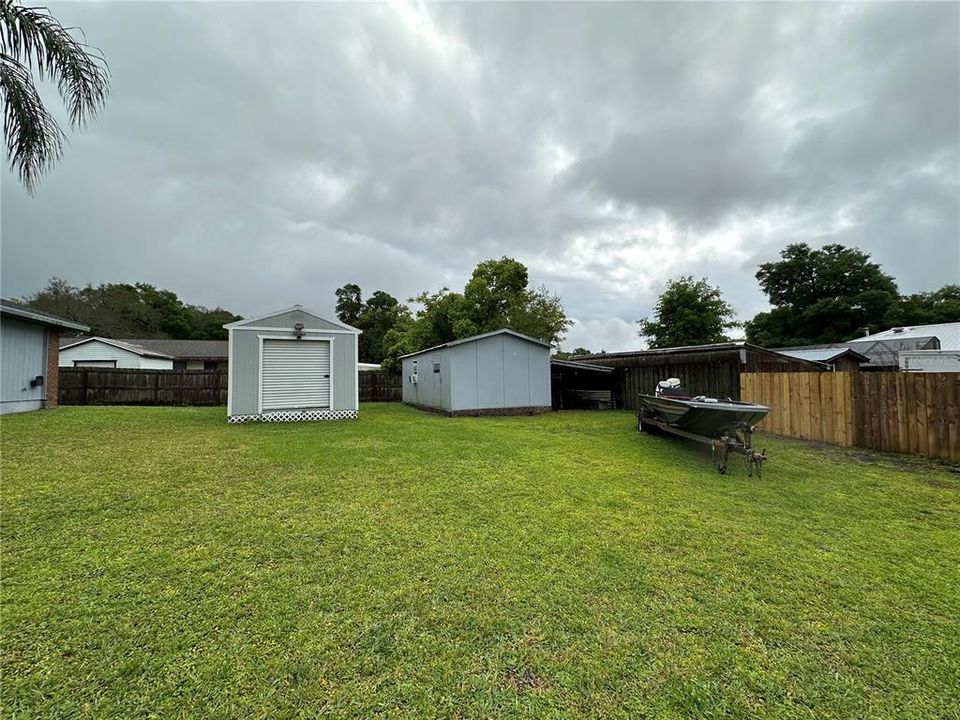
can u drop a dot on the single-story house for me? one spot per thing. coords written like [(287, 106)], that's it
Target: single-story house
[(103, 352), (713, 370), (144, 353), (292, 364), (29, 357), (497, 373)]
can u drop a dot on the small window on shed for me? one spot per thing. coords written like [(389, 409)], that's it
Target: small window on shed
[(436, 366)]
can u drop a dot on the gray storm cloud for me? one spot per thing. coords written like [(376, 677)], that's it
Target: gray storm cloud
[(253, 155)]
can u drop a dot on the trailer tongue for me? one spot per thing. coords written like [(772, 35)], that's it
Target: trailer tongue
[(726, 425)]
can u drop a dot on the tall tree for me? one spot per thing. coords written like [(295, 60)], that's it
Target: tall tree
[(688, 312), (496, 296), (821, 295), (349, 303), (927, 308), (32, 41)]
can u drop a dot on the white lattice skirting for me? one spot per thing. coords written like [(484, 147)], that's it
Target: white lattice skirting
[(296, 416)]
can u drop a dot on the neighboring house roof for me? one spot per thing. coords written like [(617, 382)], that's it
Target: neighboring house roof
[(502, 331), (580, 365), (823, 354), (28, 314), (947, 333), (301, 308), (122, 344), (186, 349)]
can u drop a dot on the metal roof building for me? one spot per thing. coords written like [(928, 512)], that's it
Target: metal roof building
[(712, 370), (947, 334), (498, 373)]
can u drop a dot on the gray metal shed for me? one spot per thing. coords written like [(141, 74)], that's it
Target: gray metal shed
[(497, 373), (292, 364), (29, 357)]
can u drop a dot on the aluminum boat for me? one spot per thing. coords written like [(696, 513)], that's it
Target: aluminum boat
[(709, 417)]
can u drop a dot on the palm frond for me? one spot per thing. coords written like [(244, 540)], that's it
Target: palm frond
[(34, 37), (34, 140)]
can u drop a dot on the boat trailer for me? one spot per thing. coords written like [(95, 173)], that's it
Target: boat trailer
[(739, 443)]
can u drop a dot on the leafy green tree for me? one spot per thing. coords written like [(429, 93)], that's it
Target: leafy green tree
[(349, 303), (496, 296), (927, 308), (122, 310), (688, 312), (32, 41), (821, 296)]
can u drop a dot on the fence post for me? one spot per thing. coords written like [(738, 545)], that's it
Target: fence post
[(83, 386)]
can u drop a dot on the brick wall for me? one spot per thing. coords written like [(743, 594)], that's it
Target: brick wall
[(53, 367)]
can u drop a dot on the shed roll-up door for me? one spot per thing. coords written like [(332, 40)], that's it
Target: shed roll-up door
[(296, 374)]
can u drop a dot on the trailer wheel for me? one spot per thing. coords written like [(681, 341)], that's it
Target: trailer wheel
[(722, 469)]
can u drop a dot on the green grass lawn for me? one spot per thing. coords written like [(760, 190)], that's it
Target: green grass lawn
[(160, 562)]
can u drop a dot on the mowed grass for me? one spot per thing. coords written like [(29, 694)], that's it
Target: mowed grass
[(160, 562)]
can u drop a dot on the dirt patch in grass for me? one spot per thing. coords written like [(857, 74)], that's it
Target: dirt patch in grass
[(524, 680)]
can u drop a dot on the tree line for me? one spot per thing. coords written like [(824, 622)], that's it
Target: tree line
[(830, 294), (121, 310)]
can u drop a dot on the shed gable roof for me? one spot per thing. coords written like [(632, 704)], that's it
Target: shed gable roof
[(248, 322), (473, 338)]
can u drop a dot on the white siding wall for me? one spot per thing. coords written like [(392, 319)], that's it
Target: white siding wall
[(95, 350)]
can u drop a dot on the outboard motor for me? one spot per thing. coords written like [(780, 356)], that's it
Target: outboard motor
[(671, 388)]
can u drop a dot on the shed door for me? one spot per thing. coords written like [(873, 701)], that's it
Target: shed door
[(295, 374)]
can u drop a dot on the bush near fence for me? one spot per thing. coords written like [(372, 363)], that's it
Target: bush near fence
[(111, 386), (889, 411)]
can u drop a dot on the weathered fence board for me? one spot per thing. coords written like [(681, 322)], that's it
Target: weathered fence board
[(890, 411), (111, 386), (380, 387)]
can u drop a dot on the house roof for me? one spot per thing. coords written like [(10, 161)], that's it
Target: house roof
[(725, 347), (186, 349), (823, 354), (28, 314), (127, 345), (947, 333), (461, 341), (162, 347), (301, 308), (580, 365)]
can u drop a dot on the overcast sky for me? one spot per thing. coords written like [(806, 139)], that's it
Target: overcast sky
[(258, 155)]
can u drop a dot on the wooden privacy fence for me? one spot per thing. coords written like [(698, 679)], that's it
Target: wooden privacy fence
[(111, 386), (889, 411), (380, 387)]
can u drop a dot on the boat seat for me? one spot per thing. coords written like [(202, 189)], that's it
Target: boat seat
[(677, 393)]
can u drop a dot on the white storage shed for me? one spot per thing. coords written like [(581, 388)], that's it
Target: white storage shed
[(292, 364), (497, 373)]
